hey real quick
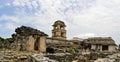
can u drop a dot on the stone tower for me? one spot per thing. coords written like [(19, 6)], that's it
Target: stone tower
[(59, 31)]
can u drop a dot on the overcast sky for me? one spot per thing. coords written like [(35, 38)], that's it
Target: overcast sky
[(84, 18)]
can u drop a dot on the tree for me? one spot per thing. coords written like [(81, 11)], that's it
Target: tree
[(85, 45), (1, 42), (5, 42)]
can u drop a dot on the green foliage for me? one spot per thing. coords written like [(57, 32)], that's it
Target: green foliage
[(8, 40), (5, 42), (67, 59), (70, 58), (2, 40), (71, 50)]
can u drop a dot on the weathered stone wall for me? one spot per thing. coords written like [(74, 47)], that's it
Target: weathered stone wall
[(29, 39), (58, 41), (30, 43), (62, 46), (112, 48), (42, 44)]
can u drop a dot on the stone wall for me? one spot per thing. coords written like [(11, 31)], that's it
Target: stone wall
[(42, 44), (29, 39), (59, 45), (30, 44), (112, 48)]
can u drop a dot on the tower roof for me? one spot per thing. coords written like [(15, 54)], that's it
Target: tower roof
[(59, 22)]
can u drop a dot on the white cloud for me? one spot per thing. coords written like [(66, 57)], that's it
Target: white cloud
[(86, 35), (84, 17), (8, 4), (9, 18), (10, 26), (16, 3), (1, 6), (29, 5), (34, 3)]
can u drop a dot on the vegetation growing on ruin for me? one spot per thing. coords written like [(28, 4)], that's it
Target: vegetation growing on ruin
[(5, 42)]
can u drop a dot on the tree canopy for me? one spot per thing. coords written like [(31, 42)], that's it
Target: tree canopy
[(5, 41)]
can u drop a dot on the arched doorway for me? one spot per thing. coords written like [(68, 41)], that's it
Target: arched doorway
[(36, 44), (50, 50)]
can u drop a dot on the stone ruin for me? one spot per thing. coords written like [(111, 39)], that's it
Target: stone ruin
[(29, 39), (33, 40)]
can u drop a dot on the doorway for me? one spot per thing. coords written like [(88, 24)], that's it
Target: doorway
[(50, 50), (105, 47), (36, 45)]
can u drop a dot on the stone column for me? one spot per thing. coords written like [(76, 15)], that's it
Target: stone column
[(30, 44), (53, 34), (58, 26), (100, 47), (58, 34), (42, 44), (93, 47), (64, 35)]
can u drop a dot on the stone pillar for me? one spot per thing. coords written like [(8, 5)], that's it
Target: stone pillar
[(30, 43), (63, 28), (100, 47), (58, 26), (93, 47), (64, 34), (53, 34), (42, 44), (58, 34)]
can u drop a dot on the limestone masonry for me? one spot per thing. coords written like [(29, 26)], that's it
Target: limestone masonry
[(31, 45), (30, 39)]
